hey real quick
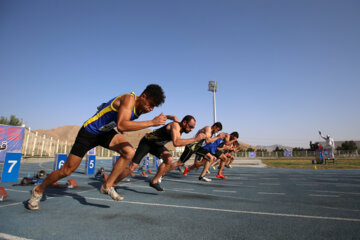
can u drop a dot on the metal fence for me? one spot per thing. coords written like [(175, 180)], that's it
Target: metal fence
[(296, 154), (45, 146)]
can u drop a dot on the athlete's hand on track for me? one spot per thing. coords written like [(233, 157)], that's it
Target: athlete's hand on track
[(159, 120)]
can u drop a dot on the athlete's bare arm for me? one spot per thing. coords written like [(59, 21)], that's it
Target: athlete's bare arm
[(209, 139), (125, 104), (176, 137), (173, 118)]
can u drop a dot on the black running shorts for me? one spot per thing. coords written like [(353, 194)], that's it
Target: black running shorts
[(146, 147), (218, 153), (190, 150), (86, 141)]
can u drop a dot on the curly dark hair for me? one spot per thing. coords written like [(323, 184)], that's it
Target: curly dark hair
[(235, 134), (218, 125), (156, 93)]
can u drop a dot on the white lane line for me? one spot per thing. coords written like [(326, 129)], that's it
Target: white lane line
[(234, 211), (11, 237), (184, 189), (271, 193), (320, 195), (206, 194), (47, 198), (12, 204), (270, 184), (203, 183), (13, 190), (336, 192), (342, 209), (224, 191)]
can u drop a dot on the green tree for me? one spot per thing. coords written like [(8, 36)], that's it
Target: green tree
[(14, 121), (298, 149), (3, 120), (277, 149), (348, 146), (250, 150), (261, 150)]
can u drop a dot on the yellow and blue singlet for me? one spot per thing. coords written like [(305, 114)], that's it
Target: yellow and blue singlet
[(106, 117)]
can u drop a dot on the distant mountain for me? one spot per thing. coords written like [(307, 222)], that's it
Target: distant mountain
[(63, 133), (273, 147), (69, 133)]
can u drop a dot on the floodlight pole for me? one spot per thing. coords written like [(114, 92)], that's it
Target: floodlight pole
[(213, 88), (214, 104)]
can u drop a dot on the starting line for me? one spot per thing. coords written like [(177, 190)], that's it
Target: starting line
[(233, 211), (11, 237)]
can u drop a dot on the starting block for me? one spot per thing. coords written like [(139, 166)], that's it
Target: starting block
[(143, 173), (105, 176), (3, 194), (72, 183)]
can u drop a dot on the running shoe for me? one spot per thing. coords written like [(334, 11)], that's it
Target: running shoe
[(34, 201), (143, 173), (230, 166), (156, 186), (213, 167), (111, 192), (205, 179), (208, 172), (186, 171), (221, 176)]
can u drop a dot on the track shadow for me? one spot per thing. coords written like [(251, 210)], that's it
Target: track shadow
[(61, 192), (97, 185), (135, 191)]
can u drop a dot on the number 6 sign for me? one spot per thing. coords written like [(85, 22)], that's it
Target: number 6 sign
[(59, 161), (11, 167)]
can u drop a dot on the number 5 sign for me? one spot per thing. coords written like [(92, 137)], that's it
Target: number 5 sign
[(11, 167), (90, 164)]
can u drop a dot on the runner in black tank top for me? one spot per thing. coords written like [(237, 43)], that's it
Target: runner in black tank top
[(154, 143)]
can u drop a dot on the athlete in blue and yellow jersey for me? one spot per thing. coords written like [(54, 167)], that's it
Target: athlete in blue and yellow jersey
[(104, 128), (105, 118)]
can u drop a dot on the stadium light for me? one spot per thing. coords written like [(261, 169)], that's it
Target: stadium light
[(213, 88)]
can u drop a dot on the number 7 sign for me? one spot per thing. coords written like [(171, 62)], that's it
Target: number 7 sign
[(11, 167)]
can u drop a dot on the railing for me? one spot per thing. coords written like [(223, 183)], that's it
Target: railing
[(35, 145), (43, 146)]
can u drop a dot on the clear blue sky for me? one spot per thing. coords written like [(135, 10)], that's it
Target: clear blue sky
[(285, 69)]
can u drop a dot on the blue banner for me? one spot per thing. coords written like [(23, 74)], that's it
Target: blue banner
[(252, 154), (11, 140), (288, 154), (91, 151)]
